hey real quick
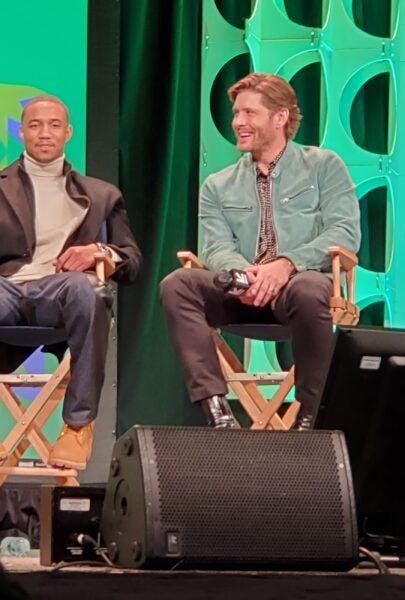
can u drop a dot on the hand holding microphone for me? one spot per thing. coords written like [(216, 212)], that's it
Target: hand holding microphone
[(234, 282), (264, 282)]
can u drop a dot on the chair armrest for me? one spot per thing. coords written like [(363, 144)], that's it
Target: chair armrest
[(189, 260), (344, 311), (105, 265), (348, 260)]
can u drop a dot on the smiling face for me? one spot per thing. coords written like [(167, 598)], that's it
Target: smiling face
[(257, 129), (45, 130)]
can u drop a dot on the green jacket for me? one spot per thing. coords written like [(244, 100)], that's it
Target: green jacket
[(314, 206)]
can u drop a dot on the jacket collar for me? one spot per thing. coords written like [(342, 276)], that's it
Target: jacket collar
[(16, 187)]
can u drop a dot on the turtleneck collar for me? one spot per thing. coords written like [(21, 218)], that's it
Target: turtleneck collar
[(37, 169)]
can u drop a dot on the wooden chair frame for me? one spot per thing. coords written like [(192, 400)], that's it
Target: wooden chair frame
[(263, 413), (29, 421)]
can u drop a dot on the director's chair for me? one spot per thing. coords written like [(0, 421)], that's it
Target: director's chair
[(17, 343), (263, 413)]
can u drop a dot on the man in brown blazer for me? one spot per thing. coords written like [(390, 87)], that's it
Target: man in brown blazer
[(52, 222)]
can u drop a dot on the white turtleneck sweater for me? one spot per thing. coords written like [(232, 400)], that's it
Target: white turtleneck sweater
[(57, 216)]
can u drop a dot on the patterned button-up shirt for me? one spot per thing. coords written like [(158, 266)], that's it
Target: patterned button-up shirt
[(267, 249)]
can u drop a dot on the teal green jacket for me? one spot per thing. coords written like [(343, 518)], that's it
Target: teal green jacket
[(314, 206)]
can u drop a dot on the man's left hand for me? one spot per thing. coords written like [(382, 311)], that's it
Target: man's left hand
[(266, 281), (77, 258)]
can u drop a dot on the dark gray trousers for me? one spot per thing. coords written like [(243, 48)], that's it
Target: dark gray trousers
[(68, 300), (192, 303)]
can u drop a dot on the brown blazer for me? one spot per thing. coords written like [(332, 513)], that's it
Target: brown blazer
[(106, 206)]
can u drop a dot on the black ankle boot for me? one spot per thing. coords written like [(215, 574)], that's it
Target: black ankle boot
[(218, 413), (304, 421)]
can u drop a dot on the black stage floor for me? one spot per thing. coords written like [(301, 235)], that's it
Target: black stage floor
[(101, 583)]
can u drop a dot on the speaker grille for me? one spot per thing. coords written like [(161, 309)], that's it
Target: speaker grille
[(198, 495), (254, 496)]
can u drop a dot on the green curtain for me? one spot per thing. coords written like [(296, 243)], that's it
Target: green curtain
[(159, 161)]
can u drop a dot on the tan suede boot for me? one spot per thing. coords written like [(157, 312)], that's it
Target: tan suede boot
[(73, 447)]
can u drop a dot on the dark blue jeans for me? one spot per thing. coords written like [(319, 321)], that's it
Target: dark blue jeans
[(82, 306)]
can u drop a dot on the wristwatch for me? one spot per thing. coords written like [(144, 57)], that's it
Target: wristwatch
[(104, 248)]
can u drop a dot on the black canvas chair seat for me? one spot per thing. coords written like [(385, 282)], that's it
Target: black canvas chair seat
[(259, 331), (24, 335)]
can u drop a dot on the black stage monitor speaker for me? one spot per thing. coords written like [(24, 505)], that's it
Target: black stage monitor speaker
[(364, 397), (191, 495)]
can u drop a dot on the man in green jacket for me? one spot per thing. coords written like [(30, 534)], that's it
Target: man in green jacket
[(273, 214)]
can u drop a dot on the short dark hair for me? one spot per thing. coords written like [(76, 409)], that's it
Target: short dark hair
[(45, 98)]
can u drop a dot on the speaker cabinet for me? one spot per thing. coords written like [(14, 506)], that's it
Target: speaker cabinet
[(195, 495), (65, 512)]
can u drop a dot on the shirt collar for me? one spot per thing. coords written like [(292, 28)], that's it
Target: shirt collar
[(271, 165), (37, 169)]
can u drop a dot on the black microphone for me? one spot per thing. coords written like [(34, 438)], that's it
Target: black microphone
[(234, 282)]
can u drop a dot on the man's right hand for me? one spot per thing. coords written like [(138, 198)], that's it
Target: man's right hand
[(77, 258), (266, 281)]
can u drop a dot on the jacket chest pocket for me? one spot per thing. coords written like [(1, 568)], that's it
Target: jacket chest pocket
[(306, 198), (236, 208)]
